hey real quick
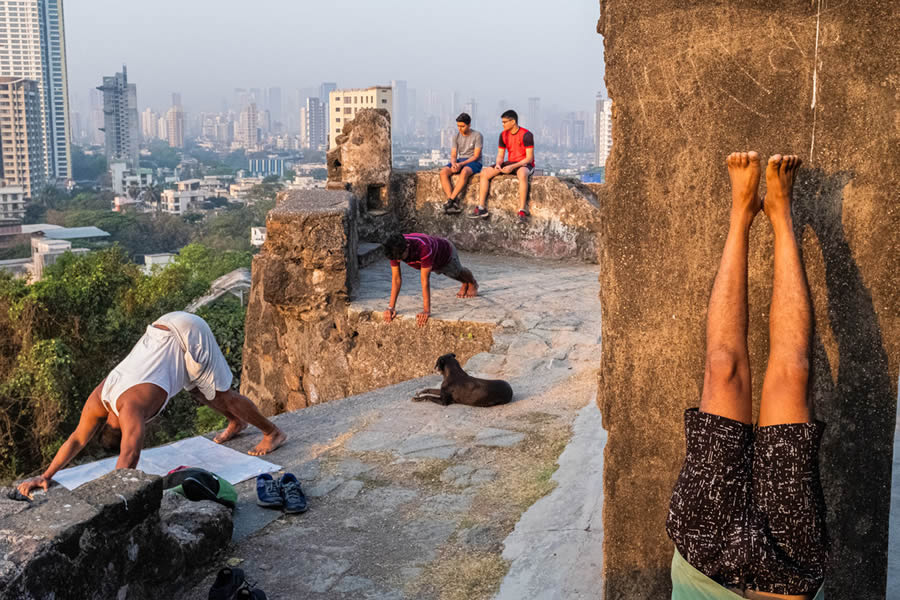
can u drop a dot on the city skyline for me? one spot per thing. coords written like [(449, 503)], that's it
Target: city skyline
[(548, 61)]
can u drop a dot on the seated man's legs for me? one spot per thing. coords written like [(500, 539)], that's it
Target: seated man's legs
[(711, 498), (445, 181), (787, 492), (523, 174), (464, 175), (487, 174)]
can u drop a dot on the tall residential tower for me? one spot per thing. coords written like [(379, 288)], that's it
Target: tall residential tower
[(120, 119), (33, 46), (603, 137)]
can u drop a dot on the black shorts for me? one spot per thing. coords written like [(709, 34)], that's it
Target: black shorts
[(748, 509)]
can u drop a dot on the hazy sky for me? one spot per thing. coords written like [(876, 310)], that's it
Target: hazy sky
[(487, 49)]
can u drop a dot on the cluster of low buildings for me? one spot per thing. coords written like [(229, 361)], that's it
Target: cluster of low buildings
[(48, 243)]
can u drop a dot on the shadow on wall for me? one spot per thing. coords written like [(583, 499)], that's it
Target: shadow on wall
[(859, 405)]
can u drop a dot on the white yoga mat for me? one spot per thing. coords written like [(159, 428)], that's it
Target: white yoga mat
[(231, 465)]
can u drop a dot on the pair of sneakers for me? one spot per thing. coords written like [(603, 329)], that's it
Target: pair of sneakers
[(284, 493), (452, 207), (231, 585)]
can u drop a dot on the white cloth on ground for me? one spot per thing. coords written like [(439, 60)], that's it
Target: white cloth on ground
[(184, 357)]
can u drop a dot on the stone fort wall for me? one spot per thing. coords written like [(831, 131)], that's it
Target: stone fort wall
[(690, 83)]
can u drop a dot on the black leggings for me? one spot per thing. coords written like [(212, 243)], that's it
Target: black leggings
[(748, 510)]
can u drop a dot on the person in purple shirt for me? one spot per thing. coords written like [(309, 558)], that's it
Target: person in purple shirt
[(426, 253)]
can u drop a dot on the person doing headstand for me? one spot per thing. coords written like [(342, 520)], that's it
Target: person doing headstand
[(178, 351), (747, 514)]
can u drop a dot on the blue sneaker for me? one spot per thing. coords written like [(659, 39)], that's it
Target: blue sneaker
[(268, 492), (479, 213), (294, 500)]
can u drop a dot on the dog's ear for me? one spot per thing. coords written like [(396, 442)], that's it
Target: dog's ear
[(451, 355)]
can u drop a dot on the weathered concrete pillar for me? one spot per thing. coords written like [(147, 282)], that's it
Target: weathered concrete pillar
[(692, 82)]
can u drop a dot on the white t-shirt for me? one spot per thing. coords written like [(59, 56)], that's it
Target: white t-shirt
[(184, 357)]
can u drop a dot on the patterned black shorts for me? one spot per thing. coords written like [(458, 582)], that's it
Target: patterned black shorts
[(748, 510)]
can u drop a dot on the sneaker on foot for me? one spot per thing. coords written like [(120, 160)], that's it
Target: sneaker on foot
[(294, 500), (228, 581), (478, 213), (250, 593), (268, 492), (523, 216), (452, 207)]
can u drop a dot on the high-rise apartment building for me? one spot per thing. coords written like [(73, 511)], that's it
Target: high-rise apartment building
[(248, 127), (120, 119), (175, 123), (603, 138), (149, 120), (33, 46), (400, 112), (325, 90), (344, 104), (314, 125), (21, 134)]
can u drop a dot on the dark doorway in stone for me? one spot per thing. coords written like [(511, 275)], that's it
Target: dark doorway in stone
[(376, 198)]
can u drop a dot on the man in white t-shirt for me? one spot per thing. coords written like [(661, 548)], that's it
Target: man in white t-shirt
[(178, 351)]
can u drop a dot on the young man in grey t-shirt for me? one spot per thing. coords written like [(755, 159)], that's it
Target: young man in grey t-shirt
[(465, 160)]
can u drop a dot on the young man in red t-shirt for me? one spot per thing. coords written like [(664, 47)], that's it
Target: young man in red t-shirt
[(426, 253), (518, 143)]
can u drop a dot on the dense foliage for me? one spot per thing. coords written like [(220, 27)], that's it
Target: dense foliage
[(60, 337)]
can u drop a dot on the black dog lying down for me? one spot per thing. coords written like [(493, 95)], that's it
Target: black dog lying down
[(460, 388)]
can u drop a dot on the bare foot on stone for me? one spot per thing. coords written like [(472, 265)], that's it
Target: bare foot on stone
[(462, 291), (269, 443), (232, 431), (471, 290), (743, 170), (780, 174)]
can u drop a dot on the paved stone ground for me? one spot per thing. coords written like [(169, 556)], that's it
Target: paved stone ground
[(415, 500)]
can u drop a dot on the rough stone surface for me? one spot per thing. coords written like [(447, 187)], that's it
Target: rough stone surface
[(399, 516), (691, 83), (361, 161), (565, 216), (115, 537)]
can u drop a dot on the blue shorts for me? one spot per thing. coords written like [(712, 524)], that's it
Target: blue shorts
[(475, 166)]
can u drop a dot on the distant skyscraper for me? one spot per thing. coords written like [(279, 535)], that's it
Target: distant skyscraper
[(248, 127), (304, 129), (149, 119), (33, 46), (400, 112), (120, 119), (534, 114), (22, 134), (175, 123), (471, 107), (603, 137), (241, 98), (314, 124), (275, 103), (344, 104), (325, 89)]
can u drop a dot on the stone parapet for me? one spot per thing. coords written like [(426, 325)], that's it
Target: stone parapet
[(115, 537), (564, 222)]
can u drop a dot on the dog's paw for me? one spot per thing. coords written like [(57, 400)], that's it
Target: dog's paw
[(417, 399)]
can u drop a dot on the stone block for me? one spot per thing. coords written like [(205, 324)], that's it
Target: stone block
[(123, 498), (691, 83), (564, 217)]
